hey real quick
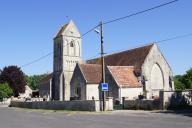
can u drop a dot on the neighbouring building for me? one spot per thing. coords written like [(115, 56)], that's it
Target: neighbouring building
[(28, 92), (45, 86), (138, 71)]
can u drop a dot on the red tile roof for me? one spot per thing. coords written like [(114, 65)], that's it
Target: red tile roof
[(134, 57), (124, 76), (91, 72)]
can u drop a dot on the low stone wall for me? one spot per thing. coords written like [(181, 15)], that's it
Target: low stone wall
[(141, 104), (86, 105), (176, 99), (59, 105)]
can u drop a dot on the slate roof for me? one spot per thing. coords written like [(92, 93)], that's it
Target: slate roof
[(134, 57), (91, 73), (47, 78), (62, 29), (124, 76)]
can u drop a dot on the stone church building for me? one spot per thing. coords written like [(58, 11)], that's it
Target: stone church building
[(142, 70), (67, 52)]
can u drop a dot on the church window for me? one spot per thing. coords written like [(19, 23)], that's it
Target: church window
[(78, 93)]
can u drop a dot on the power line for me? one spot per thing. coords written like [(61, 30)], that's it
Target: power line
[(140, 12), (107, 22), (43, 57), (34, 61), (174, 38), (157, 42)]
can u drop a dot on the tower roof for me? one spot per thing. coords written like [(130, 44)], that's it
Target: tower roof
[(62, 29), (69, 26)]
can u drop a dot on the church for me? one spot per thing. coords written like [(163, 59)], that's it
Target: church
[(138, 71)]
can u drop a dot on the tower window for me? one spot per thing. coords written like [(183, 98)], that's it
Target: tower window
[(71, 44), (170, 82)]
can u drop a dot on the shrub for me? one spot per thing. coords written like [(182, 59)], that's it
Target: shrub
[(5, 91)]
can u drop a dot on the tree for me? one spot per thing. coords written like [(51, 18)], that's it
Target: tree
[(34, 81), (5, 91), (179, 85), (183, 81), (188, 79), (15, 78)]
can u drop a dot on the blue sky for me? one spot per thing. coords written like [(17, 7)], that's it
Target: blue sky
[(27, 28)]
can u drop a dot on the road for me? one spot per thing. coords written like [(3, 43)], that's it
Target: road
[(21, 118)]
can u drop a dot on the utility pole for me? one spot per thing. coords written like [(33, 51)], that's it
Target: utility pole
[(102, 63)]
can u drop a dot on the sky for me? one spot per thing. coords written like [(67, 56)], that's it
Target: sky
[(27, 29)]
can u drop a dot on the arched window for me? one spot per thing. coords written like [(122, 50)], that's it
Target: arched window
[(72, 44)]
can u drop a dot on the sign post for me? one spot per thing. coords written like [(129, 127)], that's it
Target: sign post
[(104, 87)]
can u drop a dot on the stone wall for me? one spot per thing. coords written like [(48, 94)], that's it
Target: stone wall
[(131, 93), (78, 105), (92, 90), (78, 81), (175, 99), (141, 104)]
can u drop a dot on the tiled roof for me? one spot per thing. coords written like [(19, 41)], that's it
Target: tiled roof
[(134, 57), (91, 72), (124, 76), (47, 78)]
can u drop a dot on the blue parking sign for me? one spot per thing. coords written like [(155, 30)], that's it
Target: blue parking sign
[(104, 86)]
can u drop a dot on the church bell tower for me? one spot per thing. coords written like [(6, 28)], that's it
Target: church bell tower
[(67, 52)]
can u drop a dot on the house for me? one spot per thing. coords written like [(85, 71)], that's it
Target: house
[(28, 92)]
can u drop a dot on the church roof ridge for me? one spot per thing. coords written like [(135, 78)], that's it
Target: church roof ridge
[(137, 47), (132, 57)]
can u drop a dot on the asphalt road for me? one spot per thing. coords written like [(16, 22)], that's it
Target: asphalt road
[(20, 118)]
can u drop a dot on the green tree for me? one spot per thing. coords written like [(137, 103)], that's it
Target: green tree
[(179, 85), (183, 81), (5, 91), (34, 81), (188, 79), (14, 76)]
